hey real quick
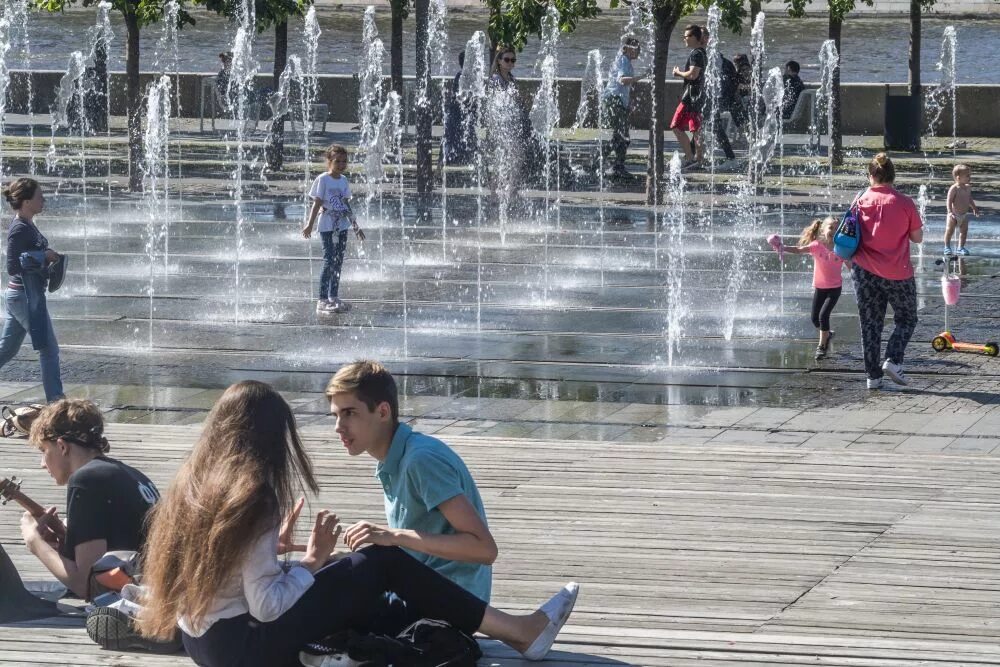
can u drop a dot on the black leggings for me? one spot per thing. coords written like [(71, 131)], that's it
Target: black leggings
[(823, 302), (351, 593)]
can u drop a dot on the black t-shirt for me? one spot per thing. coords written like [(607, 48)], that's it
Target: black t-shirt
[(692, 87), (107, 500)]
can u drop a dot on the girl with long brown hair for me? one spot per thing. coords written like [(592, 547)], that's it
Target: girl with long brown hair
[(213, 568)]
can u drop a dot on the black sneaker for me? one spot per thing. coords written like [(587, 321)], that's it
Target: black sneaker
[(113, 630)]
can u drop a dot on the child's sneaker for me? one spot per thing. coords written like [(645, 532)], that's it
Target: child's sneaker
[(948, 252), (895, 372), (964, 252), (874, 383)]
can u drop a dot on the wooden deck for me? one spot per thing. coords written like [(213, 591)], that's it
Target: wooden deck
[(688, 554)]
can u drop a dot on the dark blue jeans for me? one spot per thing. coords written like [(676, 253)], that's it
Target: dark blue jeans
[(350, 593), (333, 260)]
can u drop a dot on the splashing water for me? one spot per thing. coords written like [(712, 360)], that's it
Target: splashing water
[(944, 94), (758, 52), (676, 256), (15, 46), (748, 213), (829, 59), (156, 171), (713, 90), (102, 35), (242, 79)]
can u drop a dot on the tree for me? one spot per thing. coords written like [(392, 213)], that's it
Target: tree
[(665, 15), (839, 9), (513, 21), (268, 14), (400, 11), (917, 7), (137, 15)]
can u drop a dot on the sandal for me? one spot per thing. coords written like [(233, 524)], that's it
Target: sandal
[(17, 421)]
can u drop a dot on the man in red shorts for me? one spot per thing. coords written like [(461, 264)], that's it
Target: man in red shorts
[(687, 118)]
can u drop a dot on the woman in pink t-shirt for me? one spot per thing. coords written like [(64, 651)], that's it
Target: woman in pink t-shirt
[(883, 273), (817, 240)]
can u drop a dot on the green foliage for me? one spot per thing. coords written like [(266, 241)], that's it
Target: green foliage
[(269, 12), (732, 12), (839, 9), (513, 21), (146, 11)]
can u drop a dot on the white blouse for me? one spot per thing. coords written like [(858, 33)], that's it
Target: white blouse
[(261, 587)]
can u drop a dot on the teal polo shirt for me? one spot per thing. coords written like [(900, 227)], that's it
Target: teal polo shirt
[(418, 474)]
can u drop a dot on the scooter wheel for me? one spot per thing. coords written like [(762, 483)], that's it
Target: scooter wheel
[(940, 343), (991, 349)]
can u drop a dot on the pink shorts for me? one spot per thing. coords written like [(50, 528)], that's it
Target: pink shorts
[(686, 119)]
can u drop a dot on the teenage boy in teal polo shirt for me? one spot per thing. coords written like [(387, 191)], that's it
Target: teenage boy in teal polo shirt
[(432, 505)]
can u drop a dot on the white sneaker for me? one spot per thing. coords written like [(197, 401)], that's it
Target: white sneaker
[(558, 609), (874, 383), (323, 306), (895, 372)]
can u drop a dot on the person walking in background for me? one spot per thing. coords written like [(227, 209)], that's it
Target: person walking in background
[(459, 122), (883, 272), (28, 260), (615, 101), (793, 88), (727, 100), (687, 117)]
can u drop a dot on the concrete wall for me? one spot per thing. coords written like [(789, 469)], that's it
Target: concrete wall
[(863, 104)]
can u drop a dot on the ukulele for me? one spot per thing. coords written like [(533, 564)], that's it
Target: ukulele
[(10, 489)]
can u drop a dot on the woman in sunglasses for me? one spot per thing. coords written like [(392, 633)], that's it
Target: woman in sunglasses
[(502, 73), (508, 127)]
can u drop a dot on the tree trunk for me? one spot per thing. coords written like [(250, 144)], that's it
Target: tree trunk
[(276, 139), (423, 106), (396, 46), (665, 19), (133, 101), (754, 10), (836, 140), (914, 80)]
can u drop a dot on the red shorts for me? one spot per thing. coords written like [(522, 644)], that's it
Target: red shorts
[(686, 119)]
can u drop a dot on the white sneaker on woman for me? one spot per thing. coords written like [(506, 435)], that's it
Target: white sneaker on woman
[(557, 609), (895, 372)]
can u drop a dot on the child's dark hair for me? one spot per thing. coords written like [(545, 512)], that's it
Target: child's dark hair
[(333, 151), (793, 65), (881, 169), (19, 191)]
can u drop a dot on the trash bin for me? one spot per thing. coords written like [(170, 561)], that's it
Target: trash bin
[(903, 116)]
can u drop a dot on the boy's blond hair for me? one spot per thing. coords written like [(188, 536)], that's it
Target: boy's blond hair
[(960, 169), (370, 382)]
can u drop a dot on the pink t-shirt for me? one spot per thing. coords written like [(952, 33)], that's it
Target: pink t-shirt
[(826, 266), (887, 218)]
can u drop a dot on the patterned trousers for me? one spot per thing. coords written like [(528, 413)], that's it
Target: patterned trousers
[(874, 293)]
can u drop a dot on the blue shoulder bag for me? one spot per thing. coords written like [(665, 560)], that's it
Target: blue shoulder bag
[(847, 238)]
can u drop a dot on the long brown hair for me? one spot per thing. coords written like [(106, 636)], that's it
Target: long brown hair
[(238, 482), (501, 52)]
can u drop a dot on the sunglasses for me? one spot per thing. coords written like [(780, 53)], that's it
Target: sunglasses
[(509, 60)]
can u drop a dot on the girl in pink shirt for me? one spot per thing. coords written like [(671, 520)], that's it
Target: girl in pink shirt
[(817, 240), (883, 273)]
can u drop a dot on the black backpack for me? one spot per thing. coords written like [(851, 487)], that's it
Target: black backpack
[(426, 643), (729, 78)]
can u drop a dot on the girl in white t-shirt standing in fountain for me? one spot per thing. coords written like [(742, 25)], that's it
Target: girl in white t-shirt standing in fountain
[(331, 194)]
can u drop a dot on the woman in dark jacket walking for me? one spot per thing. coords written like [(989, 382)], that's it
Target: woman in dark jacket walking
[(28, 255)]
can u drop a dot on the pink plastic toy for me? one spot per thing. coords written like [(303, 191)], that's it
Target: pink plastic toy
[(951, 288), (775, 242)]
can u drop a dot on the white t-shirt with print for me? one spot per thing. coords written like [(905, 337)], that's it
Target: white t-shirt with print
[(333, 193)]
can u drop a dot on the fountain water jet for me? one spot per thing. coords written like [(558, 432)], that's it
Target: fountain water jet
[(156, 183), (676, 256)]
